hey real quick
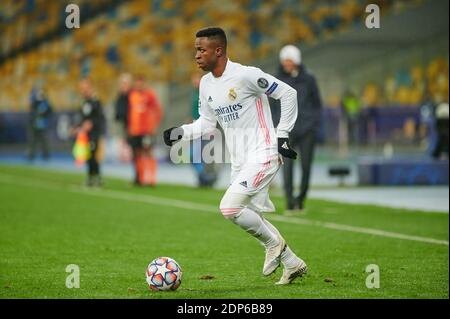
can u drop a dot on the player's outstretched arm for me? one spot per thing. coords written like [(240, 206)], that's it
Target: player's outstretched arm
[(203, 125)]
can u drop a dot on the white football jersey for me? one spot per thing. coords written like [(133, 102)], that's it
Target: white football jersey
[(238, 100)]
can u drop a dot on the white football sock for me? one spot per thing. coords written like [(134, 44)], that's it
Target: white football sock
[(288, 258), (271, 227), (253, 224)]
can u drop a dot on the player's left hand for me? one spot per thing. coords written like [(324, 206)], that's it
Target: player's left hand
[(285, 149), (171, 137)]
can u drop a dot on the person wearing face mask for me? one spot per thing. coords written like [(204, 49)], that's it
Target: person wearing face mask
[(303, 135)]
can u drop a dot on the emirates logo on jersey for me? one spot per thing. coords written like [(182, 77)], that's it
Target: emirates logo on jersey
[(228, 113), (232, 94)]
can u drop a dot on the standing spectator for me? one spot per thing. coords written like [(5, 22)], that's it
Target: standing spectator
[(122, 101), (370, 103), (144, 117), (121, 115), (303, 136), (350, 109), (206, 173), (441, 115), (427, 123), (40, 112), (91, 121)]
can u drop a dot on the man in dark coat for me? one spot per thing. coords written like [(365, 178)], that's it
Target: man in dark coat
[(303, 136), (122, 101), (91, 119), (40, 112)]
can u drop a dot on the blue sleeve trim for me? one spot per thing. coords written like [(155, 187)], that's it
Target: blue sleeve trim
[(272, 88)]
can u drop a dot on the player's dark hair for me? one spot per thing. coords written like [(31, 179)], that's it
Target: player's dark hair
[(214, 32)]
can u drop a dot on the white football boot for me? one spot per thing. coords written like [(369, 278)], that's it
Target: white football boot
[(289, 274), (273, 257)]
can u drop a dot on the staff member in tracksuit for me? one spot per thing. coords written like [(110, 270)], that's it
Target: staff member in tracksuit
[(92, 120), (303, 136), (144, 116)]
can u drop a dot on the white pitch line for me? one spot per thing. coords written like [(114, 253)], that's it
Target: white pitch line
[(169, 202), (355, 229)]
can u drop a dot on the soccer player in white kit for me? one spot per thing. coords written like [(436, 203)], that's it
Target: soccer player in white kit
[(236, 96)]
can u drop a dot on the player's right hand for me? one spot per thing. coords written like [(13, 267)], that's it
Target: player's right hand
[(285, 149), (172, 135)]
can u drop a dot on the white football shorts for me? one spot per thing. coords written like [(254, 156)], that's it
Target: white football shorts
[(250, 187)]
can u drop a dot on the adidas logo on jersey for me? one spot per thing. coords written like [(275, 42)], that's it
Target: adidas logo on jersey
[(244, 183), (210, 99)]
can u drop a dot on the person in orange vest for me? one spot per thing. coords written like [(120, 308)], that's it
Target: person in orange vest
[(144, 117)]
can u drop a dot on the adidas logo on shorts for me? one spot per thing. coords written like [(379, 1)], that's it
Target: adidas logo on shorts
[(244, 183)]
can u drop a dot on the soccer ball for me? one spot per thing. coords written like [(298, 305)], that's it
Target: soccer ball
[(163, 273)]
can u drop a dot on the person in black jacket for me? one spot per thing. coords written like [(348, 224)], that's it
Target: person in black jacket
[(93, 121), (303, 136), (121, 105), (441, 122), (40, 112)]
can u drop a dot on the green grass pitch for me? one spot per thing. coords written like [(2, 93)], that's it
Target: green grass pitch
[(48, 220)]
